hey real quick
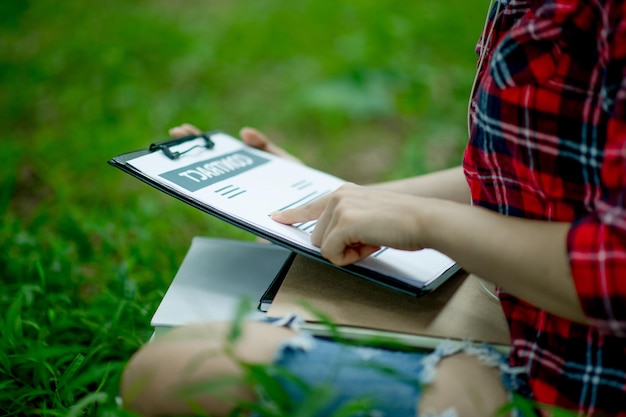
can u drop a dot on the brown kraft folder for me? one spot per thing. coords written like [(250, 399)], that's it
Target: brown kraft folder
[(459, 309)]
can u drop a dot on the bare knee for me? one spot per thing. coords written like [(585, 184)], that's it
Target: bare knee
[(464, 383), (158, 379)]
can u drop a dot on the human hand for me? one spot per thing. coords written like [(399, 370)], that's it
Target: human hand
[(250, 136), (356, 221)]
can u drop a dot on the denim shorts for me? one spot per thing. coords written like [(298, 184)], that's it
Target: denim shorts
[(335, 376)]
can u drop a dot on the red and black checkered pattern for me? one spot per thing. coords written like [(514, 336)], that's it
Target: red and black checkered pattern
[(548, 142)]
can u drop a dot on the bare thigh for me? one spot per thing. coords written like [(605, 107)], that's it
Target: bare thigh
[(157, 378), (464, 383)]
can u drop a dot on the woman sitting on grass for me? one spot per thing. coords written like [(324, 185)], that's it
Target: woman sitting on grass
[(537, 208)]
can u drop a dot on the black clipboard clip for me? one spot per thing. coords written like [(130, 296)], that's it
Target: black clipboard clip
[(165, 145)]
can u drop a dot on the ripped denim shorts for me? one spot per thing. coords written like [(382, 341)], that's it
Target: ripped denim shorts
[(385, 382)]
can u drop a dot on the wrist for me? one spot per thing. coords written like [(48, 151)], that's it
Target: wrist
[(429, 220)]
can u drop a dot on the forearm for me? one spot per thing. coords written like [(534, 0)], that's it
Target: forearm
[(448, 184), (527, 258)]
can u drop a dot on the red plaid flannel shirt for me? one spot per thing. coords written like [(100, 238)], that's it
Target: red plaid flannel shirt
[(548, 141)]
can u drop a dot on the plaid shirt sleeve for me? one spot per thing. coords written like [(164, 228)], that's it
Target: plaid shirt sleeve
[(597, 242), (548, 142)]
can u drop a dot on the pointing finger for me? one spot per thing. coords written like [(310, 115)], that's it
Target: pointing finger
[(311, 211)]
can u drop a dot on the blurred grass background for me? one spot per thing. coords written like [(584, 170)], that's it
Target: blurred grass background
[(368, 90)]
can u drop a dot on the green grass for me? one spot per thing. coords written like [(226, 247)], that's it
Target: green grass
[(365, 89)]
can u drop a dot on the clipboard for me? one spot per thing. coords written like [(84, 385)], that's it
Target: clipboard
[(241, 185)]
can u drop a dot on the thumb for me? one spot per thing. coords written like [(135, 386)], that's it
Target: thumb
[(254, 138)]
